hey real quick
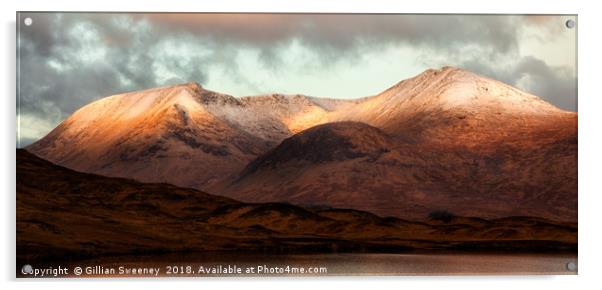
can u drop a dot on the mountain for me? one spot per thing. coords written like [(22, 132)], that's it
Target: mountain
[(182, 134), (355, 165), (446, 139), (455, 107), (325, 143), (64, 216)]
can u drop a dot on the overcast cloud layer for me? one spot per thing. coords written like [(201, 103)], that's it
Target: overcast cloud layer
[(69, 60)]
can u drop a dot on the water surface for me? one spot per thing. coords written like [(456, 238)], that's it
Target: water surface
[(240, 264)]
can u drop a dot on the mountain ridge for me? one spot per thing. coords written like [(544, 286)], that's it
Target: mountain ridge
[(439, 126), (431, 105)]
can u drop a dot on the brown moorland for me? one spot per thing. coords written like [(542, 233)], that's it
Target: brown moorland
[(67, 215)]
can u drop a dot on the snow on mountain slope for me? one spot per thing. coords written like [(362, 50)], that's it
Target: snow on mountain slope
[(180, 134), (456, 106), (164, 134), (272, 117)]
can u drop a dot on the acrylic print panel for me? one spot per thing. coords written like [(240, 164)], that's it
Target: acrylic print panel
[(153, 145)]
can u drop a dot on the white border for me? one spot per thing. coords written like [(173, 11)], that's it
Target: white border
[(590, 122)]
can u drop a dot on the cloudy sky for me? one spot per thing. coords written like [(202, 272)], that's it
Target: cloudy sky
[(69, 60)]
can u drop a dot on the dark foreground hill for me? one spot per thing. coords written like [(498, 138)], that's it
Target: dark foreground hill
[(67, 215)]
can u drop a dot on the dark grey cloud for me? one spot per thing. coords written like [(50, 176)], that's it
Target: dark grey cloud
[(345, 31), (68, 60), (56, 78), (557, 85), (344, 36)]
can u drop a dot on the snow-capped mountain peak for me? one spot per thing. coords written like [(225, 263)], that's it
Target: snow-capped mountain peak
[(190, 136)]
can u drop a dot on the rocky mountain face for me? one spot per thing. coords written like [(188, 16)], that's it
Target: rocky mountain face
[(446, 139)]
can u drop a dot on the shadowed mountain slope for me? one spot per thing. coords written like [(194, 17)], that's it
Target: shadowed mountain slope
[(66, 215)]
